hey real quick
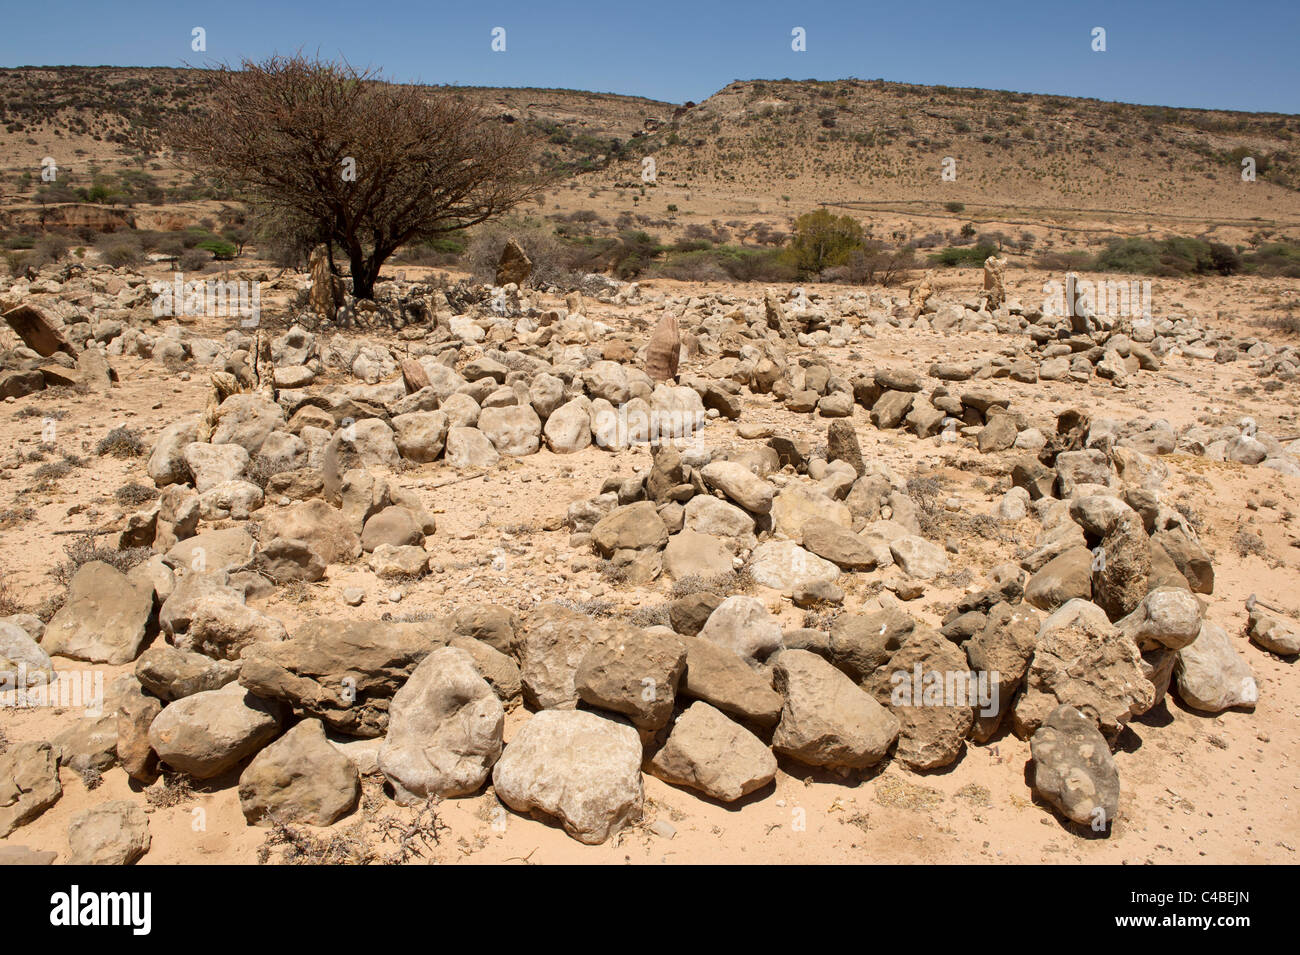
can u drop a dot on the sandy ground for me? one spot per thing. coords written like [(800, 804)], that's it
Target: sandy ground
[(1196, 788)]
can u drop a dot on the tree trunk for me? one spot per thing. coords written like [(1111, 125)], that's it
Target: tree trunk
[(364, 271)]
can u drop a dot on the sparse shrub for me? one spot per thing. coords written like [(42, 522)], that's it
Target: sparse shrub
[(134, 494), (121, 251), (1248, 544), (121, 442), (84, 549)]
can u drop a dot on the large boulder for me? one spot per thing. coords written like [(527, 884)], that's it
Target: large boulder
[(105, 619), (568, 428), (211, 732), (444, 729), (1211, 675), (706, 514), (1189, 556), (718, 676), (135, 713), (784, 565), (1001, 652), (1083, 660), (795, 506), (213, 552), (368, 443), (342, 672), (470, 448), (928, 687), (247, 420), (111, 833), (222, 626), (918, 557), (740, 484), (324, 529), (29, 784), (636, 675), (554, 642), (212, 465), (838, 544), (514, 430), (1167, 617), (826, 720), (1273, 633), (860, 644), (167, 460), (690, 554), (631, 527), (1066, 577), (17, 649), (1073, 770), (173, 674), (1120, 577), (421, 435), (708, 752), (742, 625), (300, 777), (578, 767)]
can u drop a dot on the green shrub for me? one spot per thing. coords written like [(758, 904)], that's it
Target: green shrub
[(963, 256), (221, 251)]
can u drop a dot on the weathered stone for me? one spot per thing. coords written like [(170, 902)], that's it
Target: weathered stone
[(1083, 660), (1065, 577), (826, 720), (579, 767), (743, 625), (636, 675), (631, 527), (342, 672), (174, 674), (210, 732), (105, 619), (553, 644), (1073, 769), (111, 833), (1212, 676), (444, 730), (932, 725), (740, 484), (710, 753)]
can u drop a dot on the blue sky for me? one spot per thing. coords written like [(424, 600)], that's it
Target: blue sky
[(1167, 52)]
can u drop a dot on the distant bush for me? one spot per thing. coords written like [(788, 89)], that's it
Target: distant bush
[(1169, 257), (963, 256), (822, 239), (121, 251), (955, 207), (727, 262), (221, 251)]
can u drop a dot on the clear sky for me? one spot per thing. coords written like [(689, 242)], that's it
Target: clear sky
[(1221, 55)]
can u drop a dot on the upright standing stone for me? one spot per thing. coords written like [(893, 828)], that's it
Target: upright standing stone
[(665, 350)]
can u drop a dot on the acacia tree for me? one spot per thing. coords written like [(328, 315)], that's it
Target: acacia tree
[(362, 162)]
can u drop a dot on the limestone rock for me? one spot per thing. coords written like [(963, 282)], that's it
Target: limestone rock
[(105, 619), (444, 730), (578, 767), (710, 753), (1073, 769), (210, 732)]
